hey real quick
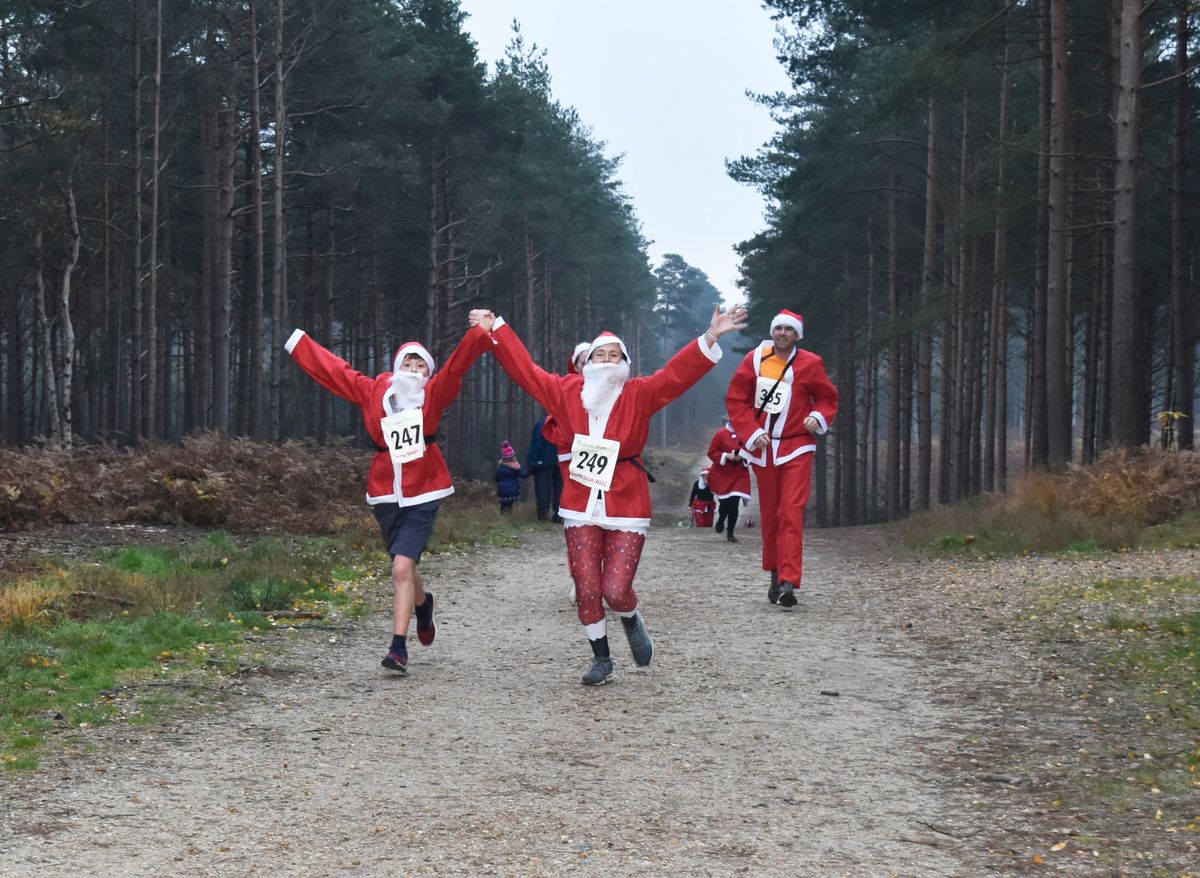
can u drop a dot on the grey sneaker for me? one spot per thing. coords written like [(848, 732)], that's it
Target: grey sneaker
[(773, 589), (599, 673), (640, 643), (787, 594)]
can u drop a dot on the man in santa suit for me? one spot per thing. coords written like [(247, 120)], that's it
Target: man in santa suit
[(602, 418), (728, 478), (408, 478), (779, 400)]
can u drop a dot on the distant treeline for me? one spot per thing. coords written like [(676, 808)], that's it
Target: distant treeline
[(986, 211), (183, 182)]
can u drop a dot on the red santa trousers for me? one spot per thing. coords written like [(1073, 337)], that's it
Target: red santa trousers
[(783, 492), (603, 564)]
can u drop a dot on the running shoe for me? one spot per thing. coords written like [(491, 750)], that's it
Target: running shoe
[(599, 673), (396, 661), (773, 589), (787, 595), (640, 643), (426, 629)]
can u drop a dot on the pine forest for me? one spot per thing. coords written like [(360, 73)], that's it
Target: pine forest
[(984, 209)]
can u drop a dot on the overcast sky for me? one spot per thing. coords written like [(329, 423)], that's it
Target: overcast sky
[(663, 83)]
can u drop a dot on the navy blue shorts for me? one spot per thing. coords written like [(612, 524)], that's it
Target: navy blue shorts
[(406, 529)]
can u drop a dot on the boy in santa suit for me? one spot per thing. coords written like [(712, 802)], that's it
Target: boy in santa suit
[(728, 478), (779, 400), (602, 418), (408, 478)]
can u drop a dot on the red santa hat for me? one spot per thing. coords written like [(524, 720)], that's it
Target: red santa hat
[(607, 337), (582, 348), (413, 347), (789, 318)]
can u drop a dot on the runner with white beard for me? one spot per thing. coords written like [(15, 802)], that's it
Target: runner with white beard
[(408, 478), (603, 419)]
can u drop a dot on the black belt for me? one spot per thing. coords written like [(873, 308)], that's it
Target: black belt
[(636, 461)]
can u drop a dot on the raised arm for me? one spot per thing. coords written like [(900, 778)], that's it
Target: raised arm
[(680, 373), (328, 369), (516, 360), (446, 383)]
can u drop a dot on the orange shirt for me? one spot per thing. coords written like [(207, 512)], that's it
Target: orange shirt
[(771, 366)]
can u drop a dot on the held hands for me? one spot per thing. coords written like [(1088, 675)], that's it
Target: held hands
[(726, 321), (481, 317)]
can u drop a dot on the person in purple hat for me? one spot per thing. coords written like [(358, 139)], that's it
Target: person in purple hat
[(509, 473)]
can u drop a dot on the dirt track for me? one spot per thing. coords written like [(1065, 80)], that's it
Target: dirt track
[(725, 757)]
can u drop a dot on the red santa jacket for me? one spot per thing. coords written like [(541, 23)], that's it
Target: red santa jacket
[(729, 476), (811, 393), (627, 502), (418, 481)]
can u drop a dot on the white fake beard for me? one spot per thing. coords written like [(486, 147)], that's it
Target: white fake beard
[(408, 391), (602, 384)]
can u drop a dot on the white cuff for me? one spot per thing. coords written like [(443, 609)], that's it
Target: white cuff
[(754, 437), (820, 419), (294, 340), (713, 352), (497, 323), (596, 630)]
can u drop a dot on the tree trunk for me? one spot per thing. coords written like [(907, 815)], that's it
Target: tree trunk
[(150, 387), (49, 385), (1058, 406), (894, 391), (65, 327), (257, 425), (136, 361), (869, 368), (1183, 338), (847, 433), (226, 158), (925, 347), (1128, 372), (949, 376), (999, 291), (1038, 452), (278, 228)]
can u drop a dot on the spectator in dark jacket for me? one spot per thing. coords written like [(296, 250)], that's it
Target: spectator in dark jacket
[(542, 463), (509, 473)]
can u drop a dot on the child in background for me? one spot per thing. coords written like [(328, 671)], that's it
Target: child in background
[(701, 503), (509, 473)]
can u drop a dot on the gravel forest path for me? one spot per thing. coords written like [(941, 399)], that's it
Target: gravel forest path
[(819, 741)]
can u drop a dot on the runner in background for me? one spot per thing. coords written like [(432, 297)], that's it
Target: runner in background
[(779, 400), (701, 503), (728, 477)]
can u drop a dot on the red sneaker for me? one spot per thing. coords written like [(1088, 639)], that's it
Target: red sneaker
[(426, 629), (396, 661)]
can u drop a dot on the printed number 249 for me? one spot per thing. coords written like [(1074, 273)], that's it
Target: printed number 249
[(592, 461)]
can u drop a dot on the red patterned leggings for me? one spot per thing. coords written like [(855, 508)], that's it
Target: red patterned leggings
[(603, 564)]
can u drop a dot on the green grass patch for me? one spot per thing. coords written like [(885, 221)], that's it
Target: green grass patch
[(1179, 533), (75, 634), (1134, 660), (67, 674), (79, 631)]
